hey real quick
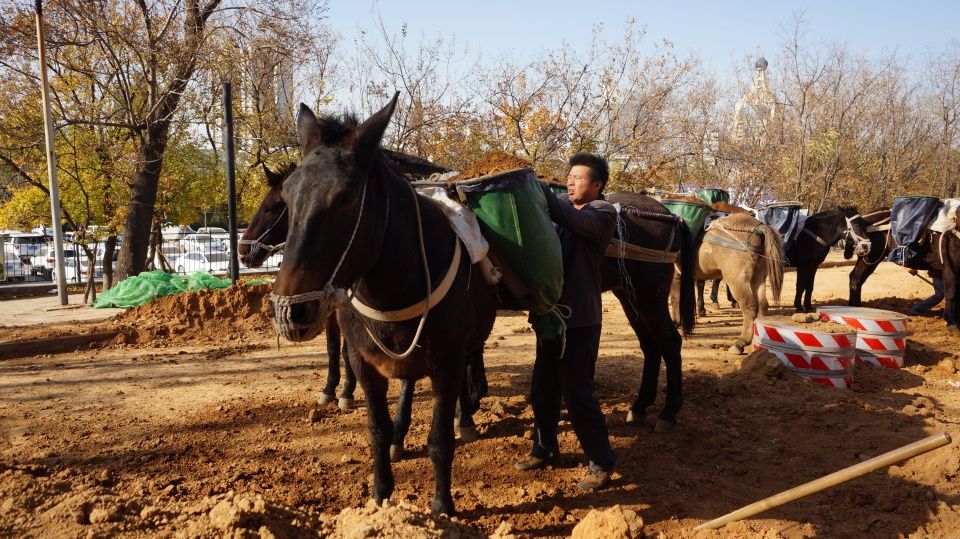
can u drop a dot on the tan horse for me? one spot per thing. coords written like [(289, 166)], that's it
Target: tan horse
[(744, 253)]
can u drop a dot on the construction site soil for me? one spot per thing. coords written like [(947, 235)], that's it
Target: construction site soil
[(192, 422), (492, 163)]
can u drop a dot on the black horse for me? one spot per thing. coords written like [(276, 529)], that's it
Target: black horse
[(362, 241), (820, 232), (937, 252)]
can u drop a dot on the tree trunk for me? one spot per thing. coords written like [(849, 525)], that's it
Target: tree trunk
[(143, 195), (91, 288), (108, 248)]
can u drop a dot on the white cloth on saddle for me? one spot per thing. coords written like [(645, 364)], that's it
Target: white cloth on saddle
[(462, 220), (946, 219)]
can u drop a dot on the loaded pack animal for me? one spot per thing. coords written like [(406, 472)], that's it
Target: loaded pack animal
[(744, 253), (820, 232), (639, 279), (938, 252)]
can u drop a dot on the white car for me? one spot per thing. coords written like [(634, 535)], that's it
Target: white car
[(214, 230), (205, 243), (24, 245), (13, 268), (42, 263), (218, 262)]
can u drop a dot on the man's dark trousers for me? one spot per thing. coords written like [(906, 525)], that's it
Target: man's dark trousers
[(571, 378)]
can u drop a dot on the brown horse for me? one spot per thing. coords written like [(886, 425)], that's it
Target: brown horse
[(744, 253)]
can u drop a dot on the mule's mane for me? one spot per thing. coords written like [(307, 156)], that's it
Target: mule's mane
[(335, 129)]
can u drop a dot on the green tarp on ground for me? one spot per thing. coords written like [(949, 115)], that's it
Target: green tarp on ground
[(149, 285)]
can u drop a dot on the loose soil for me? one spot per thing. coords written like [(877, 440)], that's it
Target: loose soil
[(809, 322), (492, 163), (206, 432), (727, 207), (685, 198)]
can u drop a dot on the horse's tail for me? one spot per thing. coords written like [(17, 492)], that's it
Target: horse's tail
[(773, 258), (688, 262)]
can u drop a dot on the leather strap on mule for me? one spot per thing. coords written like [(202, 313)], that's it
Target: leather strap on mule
[(820, 240), (419, 308)]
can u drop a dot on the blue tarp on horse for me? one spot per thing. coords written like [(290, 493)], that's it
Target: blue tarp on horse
[(786, 218), (909, 219)]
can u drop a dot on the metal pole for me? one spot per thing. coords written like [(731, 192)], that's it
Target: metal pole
[(231, 180), (59, 261)]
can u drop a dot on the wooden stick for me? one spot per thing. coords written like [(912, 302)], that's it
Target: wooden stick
[(916, 448)]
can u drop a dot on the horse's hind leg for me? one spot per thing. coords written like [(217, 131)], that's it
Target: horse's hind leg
[(473, 388), (667, 344), (715, 293), (701, 306), (346, 401), (329, 392), (378, 423), (402, 418), (808, 293), (764, 304), (446, 385), (649, 379), (746, 296)]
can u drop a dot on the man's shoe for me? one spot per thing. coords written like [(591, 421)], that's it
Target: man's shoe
[(531, 462), (595, 479)]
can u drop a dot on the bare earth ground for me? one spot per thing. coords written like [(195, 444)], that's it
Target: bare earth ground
[(201, 433)]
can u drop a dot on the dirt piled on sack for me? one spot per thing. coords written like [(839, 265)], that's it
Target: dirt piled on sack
[(727, 207), (809, 322), (493, 163), (394, 521), (685, 198), (205, 315)]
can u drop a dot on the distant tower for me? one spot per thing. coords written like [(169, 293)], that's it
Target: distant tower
[(756, 109)]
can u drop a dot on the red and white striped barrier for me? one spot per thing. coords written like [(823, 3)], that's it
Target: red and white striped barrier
[(827, 369), (864, 320), (881, 335), (792, 337)]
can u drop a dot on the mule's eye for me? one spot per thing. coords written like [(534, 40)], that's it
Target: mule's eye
[(342, 197)]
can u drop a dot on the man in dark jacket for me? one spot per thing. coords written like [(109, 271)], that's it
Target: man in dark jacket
[(564, 368)]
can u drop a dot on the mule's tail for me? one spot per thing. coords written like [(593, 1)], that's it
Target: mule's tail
[(773, 258), (688, 263)]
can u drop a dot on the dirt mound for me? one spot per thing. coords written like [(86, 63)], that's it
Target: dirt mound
[(727, 207), (615, 523), (761, 364), (685, 198), (493, 163), (204, 314), (394, 521)]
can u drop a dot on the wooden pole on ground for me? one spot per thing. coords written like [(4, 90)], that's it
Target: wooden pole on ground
[(908, 451)]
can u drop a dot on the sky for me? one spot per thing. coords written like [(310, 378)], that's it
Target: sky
[(721, 33)]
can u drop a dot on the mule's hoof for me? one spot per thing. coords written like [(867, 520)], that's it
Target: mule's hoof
[(736, 349), (442, 505), (396, 453), (346, 404), (634, 418), (325, 399), (714, 306), (664, 427), (701, 313), (469, 434)]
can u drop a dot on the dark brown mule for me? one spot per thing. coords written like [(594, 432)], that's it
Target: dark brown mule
[(820, 232), (361, 240), (938, 253)]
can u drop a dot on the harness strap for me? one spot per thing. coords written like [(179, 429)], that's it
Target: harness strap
[(419, 308), (641, 254), (737, 245), (820, 240)]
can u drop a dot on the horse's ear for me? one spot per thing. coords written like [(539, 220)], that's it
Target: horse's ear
[(273, 178), (370, 132), (308, 129)]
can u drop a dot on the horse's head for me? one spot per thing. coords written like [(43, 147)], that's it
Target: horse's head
[(856, 238), (336, 222), (268, 228)]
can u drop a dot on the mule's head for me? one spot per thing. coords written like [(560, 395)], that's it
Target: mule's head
[(856, 238), (336, 227), (268, 227)]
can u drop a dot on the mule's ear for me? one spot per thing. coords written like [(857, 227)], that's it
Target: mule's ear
[(370, 132), (273, 178), (308, 129)]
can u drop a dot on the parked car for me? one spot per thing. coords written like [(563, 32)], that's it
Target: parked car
[(171, 251), (97, 265), (206, 243), (13, 267), (24, 245), (42, 263), (214, 230), (175, 232), (218, 262)]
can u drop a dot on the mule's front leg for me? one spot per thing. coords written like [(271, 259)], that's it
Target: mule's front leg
[(328, 394), (446, 381), (381, 428), (401, 421)]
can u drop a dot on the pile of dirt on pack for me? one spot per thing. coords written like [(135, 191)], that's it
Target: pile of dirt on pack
[(685, 198), (203, 315), (394, 521), (727, 207), (493, 163)]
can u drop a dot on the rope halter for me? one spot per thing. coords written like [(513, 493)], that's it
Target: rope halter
[(257, 247), (862, 247)]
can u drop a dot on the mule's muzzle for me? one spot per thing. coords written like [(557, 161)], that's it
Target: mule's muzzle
[(300, 321), (252, 256), (862, 248)]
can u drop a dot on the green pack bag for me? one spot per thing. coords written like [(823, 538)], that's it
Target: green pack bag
[(712, 196), (694, 214), (513, 217)]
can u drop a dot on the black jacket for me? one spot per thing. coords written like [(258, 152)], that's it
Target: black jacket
[(584, 235)]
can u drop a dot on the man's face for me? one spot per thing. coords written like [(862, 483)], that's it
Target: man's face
[(580, 188)]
